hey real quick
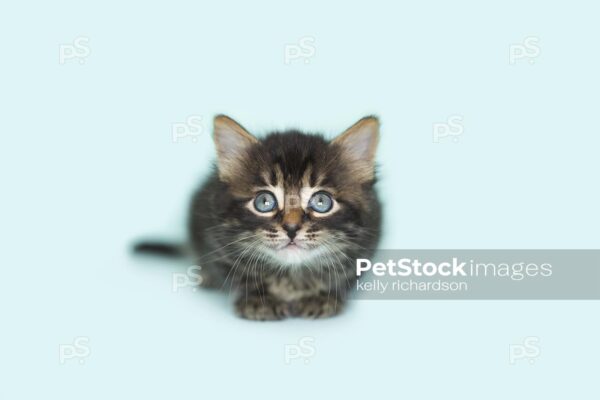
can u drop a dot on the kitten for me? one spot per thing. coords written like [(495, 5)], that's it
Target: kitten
[(282, 218)]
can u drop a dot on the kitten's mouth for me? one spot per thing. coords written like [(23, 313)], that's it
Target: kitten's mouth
[(292, 245)]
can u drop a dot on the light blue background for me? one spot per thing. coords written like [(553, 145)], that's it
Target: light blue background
[(88, 165)]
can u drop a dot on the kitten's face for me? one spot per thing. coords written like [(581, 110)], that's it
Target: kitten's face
[(301, 199)]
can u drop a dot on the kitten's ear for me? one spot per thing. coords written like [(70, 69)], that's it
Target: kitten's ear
[(358, 144), (232, 142)]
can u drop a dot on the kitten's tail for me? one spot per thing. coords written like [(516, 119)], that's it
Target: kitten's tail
[(164, 249)]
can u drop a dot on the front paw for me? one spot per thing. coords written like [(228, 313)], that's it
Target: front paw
[(261, 308), (317, 307)]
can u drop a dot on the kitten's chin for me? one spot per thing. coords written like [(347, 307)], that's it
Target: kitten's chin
[(294, 255)]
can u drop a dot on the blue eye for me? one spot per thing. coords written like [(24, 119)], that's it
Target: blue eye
[(265, 202), (321, 202)]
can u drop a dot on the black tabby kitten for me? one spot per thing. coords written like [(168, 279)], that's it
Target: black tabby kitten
[(283, 218)]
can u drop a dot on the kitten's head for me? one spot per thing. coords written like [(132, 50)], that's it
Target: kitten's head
[(301, 199)]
